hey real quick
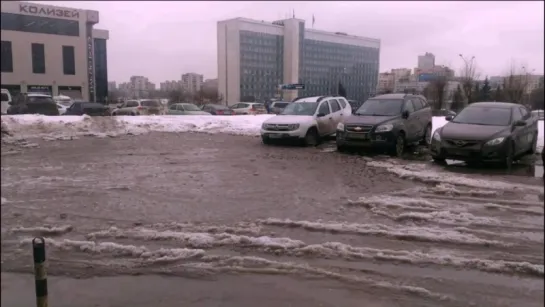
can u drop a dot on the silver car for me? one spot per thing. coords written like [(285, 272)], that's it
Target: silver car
[(139, 107)]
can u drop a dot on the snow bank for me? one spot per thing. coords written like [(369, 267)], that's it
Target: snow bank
[(67, 127)]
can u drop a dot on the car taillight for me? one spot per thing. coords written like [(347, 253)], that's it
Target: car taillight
[(219, 112), (253, 108), (140, 108)]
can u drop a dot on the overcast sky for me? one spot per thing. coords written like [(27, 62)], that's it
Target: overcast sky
[(162, 40)]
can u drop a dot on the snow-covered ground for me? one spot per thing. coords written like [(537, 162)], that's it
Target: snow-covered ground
[(67, 127)]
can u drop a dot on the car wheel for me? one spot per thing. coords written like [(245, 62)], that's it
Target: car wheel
[(533, 147), (311, 138), (427, 136), (439, 160), (399, 146), (341, 148), (509, 156)]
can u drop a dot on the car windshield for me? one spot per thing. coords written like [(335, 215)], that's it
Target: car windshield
[(381, 107), (150, 103), (300, 108), (191, 107), (488, 116)]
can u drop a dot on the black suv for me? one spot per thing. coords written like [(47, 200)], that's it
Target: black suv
[(391, 121)]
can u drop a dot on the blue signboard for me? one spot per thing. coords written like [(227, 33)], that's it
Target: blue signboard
[(426, 77)]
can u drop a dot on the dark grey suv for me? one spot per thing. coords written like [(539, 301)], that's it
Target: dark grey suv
[(390, 121)]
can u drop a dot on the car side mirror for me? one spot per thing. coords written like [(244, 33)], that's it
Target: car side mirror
[(320, 115), (405, 114), (519, 123), (449, 118)]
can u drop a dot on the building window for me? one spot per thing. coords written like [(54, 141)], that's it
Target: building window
[(38, 58), (68, 60), (7, 57), (35, 24)]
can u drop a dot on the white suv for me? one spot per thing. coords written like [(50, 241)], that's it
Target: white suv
[(307, 119)]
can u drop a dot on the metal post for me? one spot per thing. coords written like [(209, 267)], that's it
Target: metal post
[(38, 250)]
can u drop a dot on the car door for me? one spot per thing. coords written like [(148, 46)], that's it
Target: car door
[(325, 123), (531, 126), (336, 111), (76, 109), (412, 123), (419, 114), (519, 133), (172, 110), (424, 113), (345, 106)]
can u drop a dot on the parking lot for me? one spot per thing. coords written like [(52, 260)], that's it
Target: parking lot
[(205, 219)]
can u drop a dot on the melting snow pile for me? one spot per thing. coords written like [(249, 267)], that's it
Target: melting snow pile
[(68, 127)]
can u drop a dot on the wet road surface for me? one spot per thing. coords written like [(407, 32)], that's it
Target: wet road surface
[(217, 220)]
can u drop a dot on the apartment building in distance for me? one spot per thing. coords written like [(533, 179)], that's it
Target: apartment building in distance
[(137, 87), (256, 57), (112, 86), (192, 82), (426, 61), (169, 86), (53, 49), (387, 80)]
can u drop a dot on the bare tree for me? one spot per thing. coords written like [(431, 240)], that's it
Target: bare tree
[(468, 75), (515, 84), (438, 85)]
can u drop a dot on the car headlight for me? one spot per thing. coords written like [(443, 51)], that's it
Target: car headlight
[(384, 128), (495, 141), (264, 126), (340, 126), (293, 126), (437, 136)]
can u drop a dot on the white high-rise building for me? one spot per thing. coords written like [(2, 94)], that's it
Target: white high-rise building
[(426, 61), (192, 82)]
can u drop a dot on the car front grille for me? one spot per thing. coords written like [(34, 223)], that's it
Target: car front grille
[(272, 127), (461, 143), (359, 128)]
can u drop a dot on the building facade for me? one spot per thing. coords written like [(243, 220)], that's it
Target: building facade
[(54, 50), (386, 82), (426, 61), (137, 87), (256, 57), (169, 86), (192, 82)]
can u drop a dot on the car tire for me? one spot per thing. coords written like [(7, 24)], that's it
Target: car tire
[(533, 148), (341, 148), (439, 160), (509, 156), (265, 140), (311, 137), (399, 146), (426, 140)]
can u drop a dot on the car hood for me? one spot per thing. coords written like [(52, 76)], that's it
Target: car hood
[(471, 132), (289, 119), (367, 120)]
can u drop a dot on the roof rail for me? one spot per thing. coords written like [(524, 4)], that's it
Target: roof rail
[(322, 98)]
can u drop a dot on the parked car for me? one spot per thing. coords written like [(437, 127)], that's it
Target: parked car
[(185, 109), (306, 119), (6, 101), (390, 121), (139, 107), (245, 108), (486, 132), (33, 103), (276, 107), (88, 108), (217, 109)]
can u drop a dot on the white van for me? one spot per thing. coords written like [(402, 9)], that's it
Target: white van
[(6, 99)]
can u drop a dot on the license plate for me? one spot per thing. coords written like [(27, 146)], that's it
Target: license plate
[(275, 136), (359, 136)]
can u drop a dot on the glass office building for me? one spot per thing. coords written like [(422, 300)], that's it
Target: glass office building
[(255, 57)]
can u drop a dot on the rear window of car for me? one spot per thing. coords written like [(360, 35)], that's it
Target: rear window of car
[(150, 103), (334, 105), (40, 99), (280, 104), (342, 102), (131, 104), (5, 97)]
